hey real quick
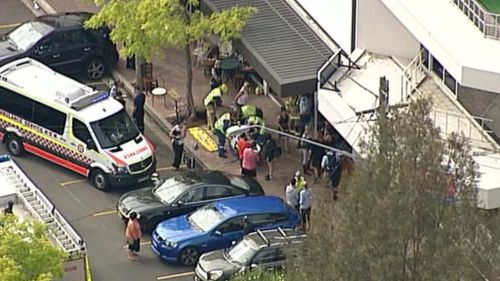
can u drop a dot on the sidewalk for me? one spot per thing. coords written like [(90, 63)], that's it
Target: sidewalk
[(171, 69)]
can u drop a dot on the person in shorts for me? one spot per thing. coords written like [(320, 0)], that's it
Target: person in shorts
[(133, 234), (250, 160), (305, 204)]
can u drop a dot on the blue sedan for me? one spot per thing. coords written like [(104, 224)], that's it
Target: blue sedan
[(215, 226)]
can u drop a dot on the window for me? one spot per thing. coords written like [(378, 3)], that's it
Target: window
[(214, 192), (425, 56), (265, 219), (76, 38), (80, 131), (16, 104), (437, 68), (266, 256), (52, 44), (194, 195), (232, 225), (450, 82), (49, 118)]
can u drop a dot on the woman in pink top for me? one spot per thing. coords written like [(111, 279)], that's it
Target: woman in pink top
[(133, 234), (249, 163)]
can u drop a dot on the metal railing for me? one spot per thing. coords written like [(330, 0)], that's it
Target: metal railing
[(487, 22), (412, 75)]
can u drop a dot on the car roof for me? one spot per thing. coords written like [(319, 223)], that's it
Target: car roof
[(65, 20), (277, 237), (251, 205), (207, 177)]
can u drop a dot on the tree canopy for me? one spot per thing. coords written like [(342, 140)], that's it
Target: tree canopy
[(408, 212), (145, 27), (26, 253)]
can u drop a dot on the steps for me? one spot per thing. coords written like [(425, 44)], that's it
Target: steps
[(40, 207)]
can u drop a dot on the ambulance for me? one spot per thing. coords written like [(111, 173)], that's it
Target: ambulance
[(70, 124)]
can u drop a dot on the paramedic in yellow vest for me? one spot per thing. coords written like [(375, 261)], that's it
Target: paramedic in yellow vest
[(248, 111), (257, 134), (212, 101), (220, 127)]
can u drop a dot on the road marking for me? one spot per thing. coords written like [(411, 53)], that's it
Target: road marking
[(65, 183), (9, 25), (174, 275), (169, 168), (105, 213), (142, 244)]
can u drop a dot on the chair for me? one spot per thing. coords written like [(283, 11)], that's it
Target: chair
[(147, 76)]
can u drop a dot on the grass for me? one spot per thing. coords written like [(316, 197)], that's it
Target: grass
[(491, 5)]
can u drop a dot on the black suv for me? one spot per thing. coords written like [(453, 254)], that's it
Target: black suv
[(61, 42), (264, 250)]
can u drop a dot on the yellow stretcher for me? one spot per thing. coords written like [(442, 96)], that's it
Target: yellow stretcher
[(203, 138)]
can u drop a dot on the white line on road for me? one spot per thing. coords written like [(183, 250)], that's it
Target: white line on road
[(9, 25), (105, 213), (174, 275), (65, 183)]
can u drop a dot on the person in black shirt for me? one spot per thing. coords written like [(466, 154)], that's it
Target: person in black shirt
[(9, 209), (138, 111)]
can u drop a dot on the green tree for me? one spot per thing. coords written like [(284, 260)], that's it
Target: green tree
[(401, 217), (254, 275), (145, 27), (26, 253)]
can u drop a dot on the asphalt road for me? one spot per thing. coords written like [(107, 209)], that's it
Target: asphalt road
[(92, 212)]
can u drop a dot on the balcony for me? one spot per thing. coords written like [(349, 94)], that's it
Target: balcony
[(486, 20)]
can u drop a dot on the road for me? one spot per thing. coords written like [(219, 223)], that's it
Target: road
[(90, 211)]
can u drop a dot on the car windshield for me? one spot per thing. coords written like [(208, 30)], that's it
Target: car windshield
[(115, 130), (28, 34), (243, 252), (171, 188), (206, 218), (238, 182)]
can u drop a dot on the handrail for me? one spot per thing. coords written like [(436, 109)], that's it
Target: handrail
[(487, 22)]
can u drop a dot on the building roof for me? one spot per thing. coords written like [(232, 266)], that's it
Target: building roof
[(252, 204), (277, 42)]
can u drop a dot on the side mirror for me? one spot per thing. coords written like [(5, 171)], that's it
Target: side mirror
[(233, 243), (91, 144), (217, 233)]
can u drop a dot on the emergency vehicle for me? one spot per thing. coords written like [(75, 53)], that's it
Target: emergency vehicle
[(68, 123), (31, 204)]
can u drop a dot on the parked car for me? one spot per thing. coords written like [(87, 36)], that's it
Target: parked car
[(183, 193), (263, 250), (216, 225), (61, 42)]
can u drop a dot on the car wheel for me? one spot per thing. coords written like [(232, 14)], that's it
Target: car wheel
[(15, 145), (189, 256), (99, 179), (94, 69)]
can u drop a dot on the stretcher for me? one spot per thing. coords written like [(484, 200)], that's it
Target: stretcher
[(203, 138)]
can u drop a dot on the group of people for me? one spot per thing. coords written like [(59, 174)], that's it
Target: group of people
[(116, 92), (298, 195)]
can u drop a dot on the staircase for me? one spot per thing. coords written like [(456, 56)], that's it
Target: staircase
[(40, 207)]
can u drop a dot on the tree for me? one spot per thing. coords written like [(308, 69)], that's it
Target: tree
[(145, 27), (26, 253), (259, 275), (409, 212)]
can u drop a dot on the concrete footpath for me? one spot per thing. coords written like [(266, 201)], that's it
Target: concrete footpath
[(170, 72)]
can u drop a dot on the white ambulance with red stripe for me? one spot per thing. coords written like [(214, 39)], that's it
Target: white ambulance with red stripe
[(68, 123)]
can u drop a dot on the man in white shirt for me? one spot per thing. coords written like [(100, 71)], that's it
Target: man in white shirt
[(292, 195), (305, 203)]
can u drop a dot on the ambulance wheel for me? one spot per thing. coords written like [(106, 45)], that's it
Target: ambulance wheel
[(99, 179), (14, 145)]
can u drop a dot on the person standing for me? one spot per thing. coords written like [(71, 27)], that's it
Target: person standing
[(284, 124), (304, 111), (270, 151), (177, 135), (249, 163), (292, 195), (241, 98), (317, 153), (220, 128), (138, 111), (241, 144), (331, 165), (212, 101), (9, 209), (305, 204), (133, 235), (306, 150), (216, 72)]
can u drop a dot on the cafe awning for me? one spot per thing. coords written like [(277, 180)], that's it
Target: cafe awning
[(280, 46)]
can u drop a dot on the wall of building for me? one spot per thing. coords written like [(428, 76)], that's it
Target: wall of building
[(335, 17), (379, 31)]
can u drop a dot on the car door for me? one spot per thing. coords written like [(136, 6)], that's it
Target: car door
[(268, 259), (187, 202), (217, 192), (76, 49), (223, 235), (48, 51)]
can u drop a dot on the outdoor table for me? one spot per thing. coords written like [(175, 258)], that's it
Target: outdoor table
[(229, 66), (159, 92)]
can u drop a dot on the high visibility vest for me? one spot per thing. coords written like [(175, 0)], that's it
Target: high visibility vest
[(300, 182), (211, 95), (256, 120), (248, 111), (219, 124)]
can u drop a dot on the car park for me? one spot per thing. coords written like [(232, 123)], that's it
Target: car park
[(262, 250), (61, 42), (182, 193), (216, 225)]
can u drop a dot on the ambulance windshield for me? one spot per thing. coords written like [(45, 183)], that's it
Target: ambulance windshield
[(114, 130)]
